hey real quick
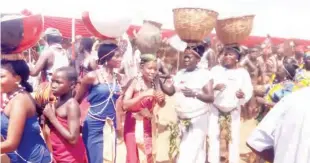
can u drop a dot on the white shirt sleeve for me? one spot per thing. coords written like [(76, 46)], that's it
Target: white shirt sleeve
[(213, 72), (263, 136), (176, 77), (205, 76)]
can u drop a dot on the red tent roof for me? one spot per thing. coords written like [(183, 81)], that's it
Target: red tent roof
[(65, 25)]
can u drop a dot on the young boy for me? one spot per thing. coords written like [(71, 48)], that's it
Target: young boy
[(64, 118)]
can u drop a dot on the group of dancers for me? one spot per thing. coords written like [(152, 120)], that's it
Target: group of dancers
[(45, 125)]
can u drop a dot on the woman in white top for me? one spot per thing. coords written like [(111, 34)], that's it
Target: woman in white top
[(192, 91), (232, 88)]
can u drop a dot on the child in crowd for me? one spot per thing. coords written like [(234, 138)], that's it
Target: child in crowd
[(64, 118)]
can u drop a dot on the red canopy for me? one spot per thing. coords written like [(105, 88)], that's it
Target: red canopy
[(65, 25)]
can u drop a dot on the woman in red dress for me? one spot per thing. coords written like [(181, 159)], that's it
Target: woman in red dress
[(139, 101)]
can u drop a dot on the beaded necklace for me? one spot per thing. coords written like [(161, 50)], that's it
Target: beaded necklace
[(111, 93), (142, 86), (10, 97)]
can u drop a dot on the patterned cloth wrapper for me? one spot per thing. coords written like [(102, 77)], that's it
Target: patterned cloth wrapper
[(302, 77)]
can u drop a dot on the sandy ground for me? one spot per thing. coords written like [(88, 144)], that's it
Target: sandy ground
[(166, 115)]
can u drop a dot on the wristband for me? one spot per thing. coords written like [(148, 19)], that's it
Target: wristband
[(196, 95)]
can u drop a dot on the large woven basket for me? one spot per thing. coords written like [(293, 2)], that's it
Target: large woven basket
[(234, 30), (194, 24)]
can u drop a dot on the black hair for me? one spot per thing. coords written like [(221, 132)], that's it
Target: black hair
[(71, 73), (86, 44), (20, 68), (290, 65), (52, 39), (106, 52), (145, 58), (199, 49), (236, 50), (66, 41)]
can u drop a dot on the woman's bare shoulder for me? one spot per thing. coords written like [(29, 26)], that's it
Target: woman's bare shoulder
[(90, 77), (24, 102), (72, 103)]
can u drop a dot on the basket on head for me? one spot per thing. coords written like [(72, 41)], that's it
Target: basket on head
[(194, 24), (234, 30)]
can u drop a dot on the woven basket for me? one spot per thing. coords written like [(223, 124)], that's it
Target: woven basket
[(234, 30), (194, 24)]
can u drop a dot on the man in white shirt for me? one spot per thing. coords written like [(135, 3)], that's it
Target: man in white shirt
[(283, 135)]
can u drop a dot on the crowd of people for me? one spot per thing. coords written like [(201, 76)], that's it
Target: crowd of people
[(87, 97)]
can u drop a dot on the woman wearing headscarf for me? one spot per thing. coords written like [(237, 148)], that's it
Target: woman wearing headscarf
[(192, 89), (103, 89), (232, 89)]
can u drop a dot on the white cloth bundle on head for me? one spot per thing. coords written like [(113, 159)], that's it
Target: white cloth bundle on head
[(177, 43)]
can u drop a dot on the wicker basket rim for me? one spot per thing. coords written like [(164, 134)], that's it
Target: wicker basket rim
[(193, 8), (237, 17)]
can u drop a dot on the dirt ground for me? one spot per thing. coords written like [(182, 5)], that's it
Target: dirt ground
[(166, 115)]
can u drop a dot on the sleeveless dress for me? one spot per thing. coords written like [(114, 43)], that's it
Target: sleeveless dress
[(63, 151), (130, 132), (32, 148), (102, 110)]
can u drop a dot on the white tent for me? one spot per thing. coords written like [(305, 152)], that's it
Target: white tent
[(282, 18)]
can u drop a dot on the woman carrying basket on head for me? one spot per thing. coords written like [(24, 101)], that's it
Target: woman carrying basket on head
[(232, 88), (192, 88)]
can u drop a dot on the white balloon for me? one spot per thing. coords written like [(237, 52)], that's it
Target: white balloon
[(111, 21), (177, 43)]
